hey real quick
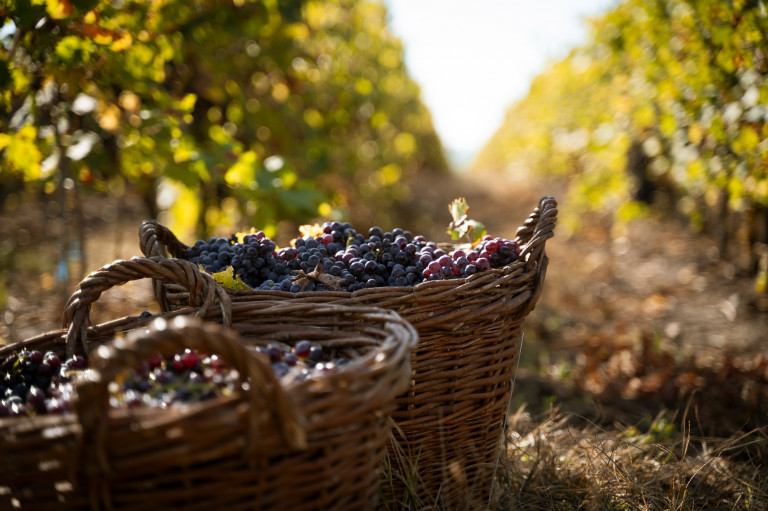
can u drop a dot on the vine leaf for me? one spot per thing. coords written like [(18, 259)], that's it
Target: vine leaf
[(227, 278), (462, 225)]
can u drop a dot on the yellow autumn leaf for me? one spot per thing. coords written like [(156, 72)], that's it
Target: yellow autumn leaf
[(22, 154), (59, 9), (103, 38), (748, 138), (312, 230), (109, 118), (228, 279), (187, 103), (695, 134), (122, 43), (243, 172), (241, 235)]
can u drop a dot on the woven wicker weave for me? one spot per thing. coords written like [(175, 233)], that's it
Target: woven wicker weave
[(312, 444), (451, 420)]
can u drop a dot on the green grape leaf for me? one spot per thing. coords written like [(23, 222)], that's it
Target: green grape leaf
[(478, 231), (227, 278), (462, 225), (459, 209)]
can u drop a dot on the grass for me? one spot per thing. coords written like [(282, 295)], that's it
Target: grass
[(567, 462), (400, 489)]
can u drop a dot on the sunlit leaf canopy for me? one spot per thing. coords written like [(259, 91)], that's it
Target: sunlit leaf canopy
[(241, 113), (685, 81)]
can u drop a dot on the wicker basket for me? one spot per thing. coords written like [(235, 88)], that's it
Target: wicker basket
[(306, 444), (451, 420)]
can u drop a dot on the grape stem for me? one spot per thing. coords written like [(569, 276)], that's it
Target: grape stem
[(317, 275)]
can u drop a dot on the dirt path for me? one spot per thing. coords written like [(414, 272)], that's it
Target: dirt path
[(653, 276)]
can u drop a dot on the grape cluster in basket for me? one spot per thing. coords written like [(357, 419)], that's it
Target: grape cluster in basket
[(302, 360), (35, 383), (338, 258)]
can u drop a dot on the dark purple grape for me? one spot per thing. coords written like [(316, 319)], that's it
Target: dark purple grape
[(44, 369), (9, 362), (53, 361), (275, 353), (161, 376), (36, 399), (20, 390), (356, 268), (302, 349), (316, 353), (35, 356), (77, 363)]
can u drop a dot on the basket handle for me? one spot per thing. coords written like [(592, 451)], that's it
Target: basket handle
[(203, 291), (169, 337), (156, 240), (538, 228)]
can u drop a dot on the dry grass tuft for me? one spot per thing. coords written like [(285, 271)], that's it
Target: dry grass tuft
[(566, 462)]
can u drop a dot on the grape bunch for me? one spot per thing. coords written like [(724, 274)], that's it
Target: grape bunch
[(33, 383), (489, 253), (254, 259), (191, 377), (302, 360), (339, 258), (185, 377)]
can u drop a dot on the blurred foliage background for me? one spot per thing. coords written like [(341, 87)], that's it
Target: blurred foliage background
[(663, 111), (218, 114)]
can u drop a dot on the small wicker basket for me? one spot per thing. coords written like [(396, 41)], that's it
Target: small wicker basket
[(451, 419), (306, 444)]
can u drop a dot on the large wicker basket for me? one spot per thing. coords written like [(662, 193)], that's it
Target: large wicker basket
[(306, 444), (451, 419)]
